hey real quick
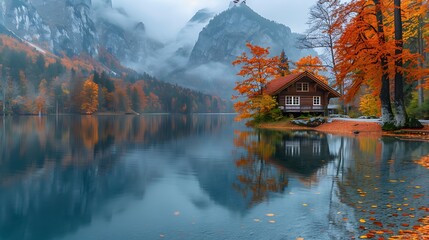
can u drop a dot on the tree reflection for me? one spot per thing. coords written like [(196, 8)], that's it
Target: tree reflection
[(258, 178), (56, 173), (380, 183), (269, 157)]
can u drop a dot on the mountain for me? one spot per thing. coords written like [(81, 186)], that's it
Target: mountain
[(198, 58), (223, 39), (73, 27), (60, 26), (175, 54), (225, 36)]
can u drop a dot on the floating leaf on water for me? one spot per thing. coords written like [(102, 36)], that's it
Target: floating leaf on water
[(378, 224), (257, 220), (374, 206), (393, 181), (418, 187), (300, 238), (388, 205), (176, 213), (362, 220), (363, 237), (305, 204), (272, 221), (270, 214)]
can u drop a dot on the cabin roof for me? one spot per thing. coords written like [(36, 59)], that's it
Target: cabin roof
[(279, 84)]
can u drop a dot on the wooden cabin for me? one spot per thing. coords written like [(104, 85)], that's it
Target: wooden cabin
[(301, 93)]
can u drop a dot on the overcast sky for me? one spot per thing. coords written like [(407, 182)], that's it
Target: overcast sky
[(164, 18)]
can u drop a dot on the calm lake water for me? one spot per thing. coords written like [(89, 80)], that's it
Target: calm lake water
[(201, 177)]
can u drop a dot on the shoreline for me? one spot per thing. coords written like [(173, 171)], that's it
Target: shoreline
[(352, 127)]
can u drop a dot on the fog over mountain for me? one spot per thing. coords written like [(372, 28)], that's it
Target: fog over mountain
[(199, 56)]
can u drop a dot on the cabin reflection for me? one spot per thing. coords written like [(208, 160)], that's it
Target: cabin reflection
[(268, 159), (303, 152)]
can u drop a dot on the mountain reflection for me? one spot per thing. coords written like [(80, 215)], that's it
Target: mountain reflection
[(56, 173), (271, 157)]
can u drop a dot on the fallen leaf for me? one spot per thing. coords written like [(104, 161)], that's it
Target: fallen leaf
[(378, 224), (270, 214), (362, 220)]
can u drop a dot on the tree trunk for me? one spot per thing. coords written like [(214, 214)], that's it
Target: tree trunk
[(421, 46), (401, 113), (386, 107)]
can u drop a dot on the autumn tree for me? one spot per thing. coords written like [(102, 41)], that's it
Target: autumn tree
[(138, 97), (283, 65), (310, 64), (416, 33), (369, 105), (401, 113), (366, 52), (89, 96), (257, 69), (42, 98)]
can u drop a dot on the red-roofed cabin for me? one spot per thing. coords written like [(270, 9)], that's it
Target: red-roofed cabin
[(301, 92)]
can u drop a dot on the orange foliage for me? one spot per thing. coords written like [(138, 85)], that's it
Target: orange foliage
[(258, 70), (361, 48), (138, 97), (89, 96), (310, 64)]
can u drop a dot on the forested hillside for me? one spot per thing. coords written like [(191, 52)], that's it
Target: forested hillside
[(34, 81)]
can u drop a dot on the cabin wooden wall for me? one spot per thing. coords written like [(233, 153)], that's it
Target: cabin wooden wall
[(306, 98)]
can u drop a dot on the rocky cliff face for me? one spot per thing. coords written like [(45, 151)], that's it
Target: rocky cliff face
[(225, 36), (77, 26), (60, 26)]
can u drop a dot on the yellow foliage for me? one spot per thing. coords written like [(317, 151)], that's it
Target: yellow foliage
[(89, 97), (370, 105)]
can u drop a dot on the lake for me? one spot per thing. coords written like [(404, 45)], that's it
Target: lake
[(201, 177)]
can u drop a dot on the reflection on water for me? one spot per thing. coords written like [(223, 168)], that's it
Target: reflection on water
[(200, 177)]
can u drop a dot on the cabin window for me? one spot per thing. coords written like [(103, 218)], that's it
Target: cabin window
[(292, 100), (316, 100), (302, 87)]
